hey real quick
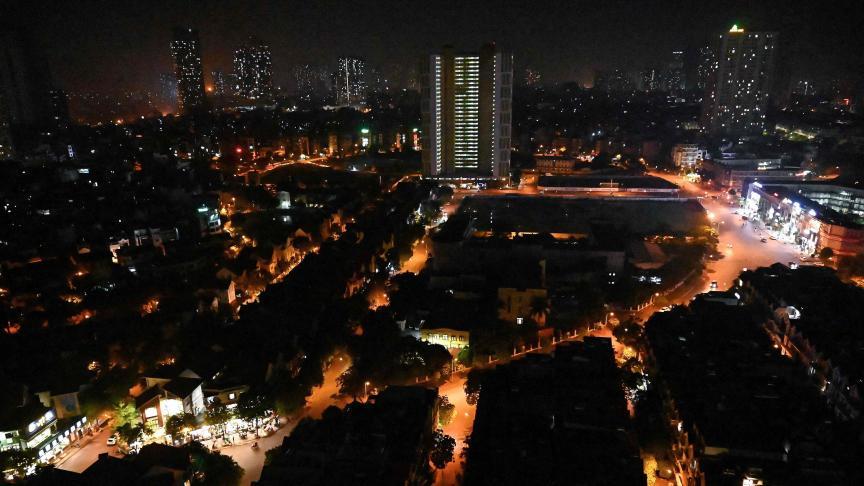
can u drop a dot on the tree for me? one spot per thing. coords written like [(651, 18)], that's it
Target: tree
[(465, 356), (539, 310), (252, 407), (442, 449), (446, 410), (211, 468), (177, 425), (630, 334), (16, 462), (131, 434), (472, 385), (125, 413), (217, 415)]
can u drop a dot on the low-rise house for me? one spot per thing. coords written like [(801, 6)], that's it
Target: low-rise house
[(164, 398), (447, 337)]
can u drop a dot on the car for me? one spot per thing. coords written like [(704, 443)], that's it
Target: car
[(729, 245), (772, 237), (744, 218), (666, 308), (763, 240), (713, 285), (112, 440)]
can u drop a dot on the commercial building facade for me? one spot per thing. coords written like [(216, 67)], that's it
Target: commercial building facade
[(466, 112), (812, 216)]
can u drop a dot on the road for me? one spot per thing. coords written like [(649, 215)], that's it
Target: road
[(458, 428), (252, 460), (419, 255), (78, 461), (739, 241)]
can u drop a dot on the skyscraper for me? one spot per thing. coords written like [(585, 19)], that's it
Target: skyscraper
[(24, 80), (168, 88), (675, 73), (706, 67), (466, 112), (613, 81), (5, 130), (311, 82), (253, 66), (349, 81), (737, 97), (651, 80), (186, 51)]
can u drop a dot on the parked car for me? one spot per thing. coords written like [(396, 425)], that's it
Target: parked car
[(763, 240), (713, 285), (112, 440)]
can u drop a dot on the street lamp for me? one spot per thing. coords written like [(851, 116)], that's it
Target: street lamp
[(365, 388), (606, 323)]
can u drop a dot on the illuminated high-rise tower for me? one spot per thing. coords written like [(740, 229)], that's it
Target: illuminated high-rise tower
[(675, 73), (466, 111), (737, 95), (706, 67), (253, 66), (186, 51), (350, 81)]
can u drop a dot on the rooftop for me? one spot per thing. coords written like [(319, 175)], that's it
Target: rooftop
[(531, 214), (626, 182), (554, 419), (735, 392)]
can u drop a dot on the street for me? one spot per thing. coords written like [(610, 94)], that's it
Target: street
[(458, 428), (80, 459), (419, 254), (746, 250), (252, 460)]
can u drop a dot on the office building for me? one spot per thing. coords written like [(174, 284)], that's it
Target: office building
[(186, 51), (738, 94), (466, 112), (253, 66), (349, 81)]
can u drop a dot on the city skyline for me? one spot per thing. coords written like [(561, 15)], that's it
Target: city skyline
[(428, 243), (609, 35)]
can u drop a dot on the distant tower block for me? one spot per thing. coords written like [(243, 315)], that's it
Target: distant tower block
[(284, 200)]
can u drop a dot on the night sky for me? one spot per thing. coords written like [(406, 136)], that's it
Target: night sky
[(117, 45)]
